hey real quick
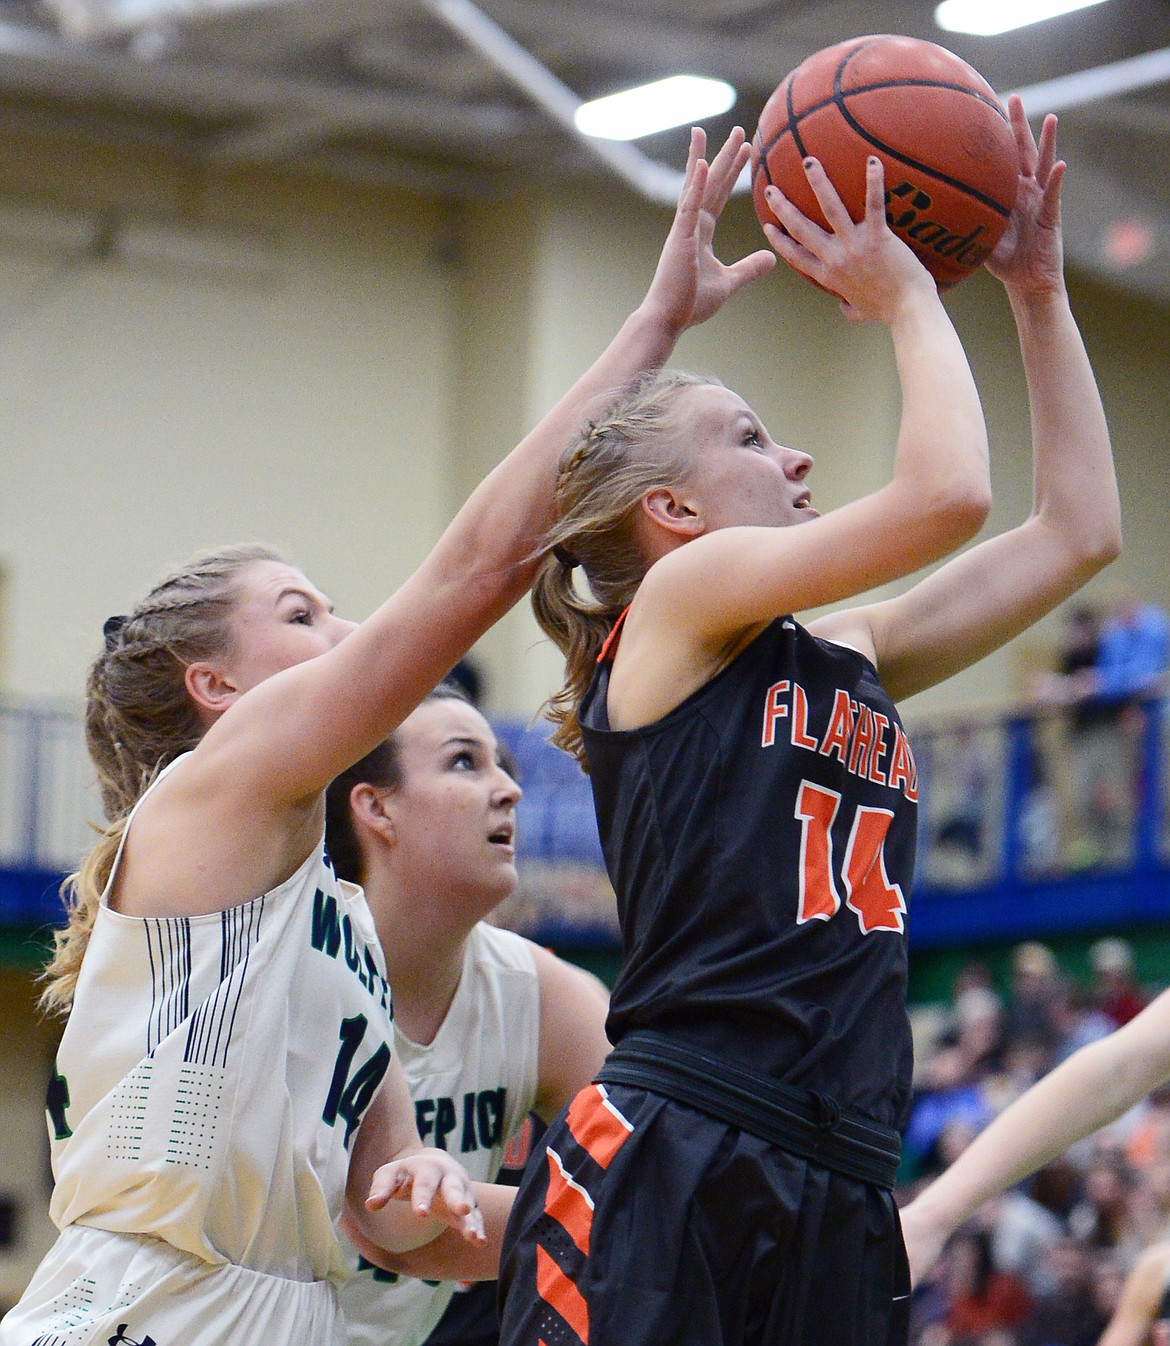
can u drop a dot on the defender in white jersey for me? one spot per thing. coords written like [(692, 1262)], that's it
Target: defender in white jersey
[(488, 1026), (235, 669), (170, 1113)]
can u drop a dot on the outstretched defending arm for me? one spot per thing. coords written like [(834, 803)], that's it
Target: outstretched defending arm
[(300, 728), (1092, 1087)]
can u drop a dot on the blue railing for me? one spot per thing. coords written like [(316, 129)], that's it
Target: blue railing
[(1030, 824), (48, 798), (1043, 823)]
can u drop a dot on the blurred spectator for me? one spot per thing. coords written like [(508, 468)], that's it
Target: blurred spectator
[(1148, 1142), (1022, 1231), (1108, 1282), (1115, 987), (1026, 1057), (971, 1045), (942, 1123), (1066, 1239), (952, 1100), (1067, 1314), (1035, 992), (1133, 656), (973, 973), (1073, 682), (1057, 1186), (1079, 1020), (972, 976), (1104, 1217), (1149, 1203), (1142, 1311), (1134, 651), (962, 788), (1039, 819), (983, 1303)]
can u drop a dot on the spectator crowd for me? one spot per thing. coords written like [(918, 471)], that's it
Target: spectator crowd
[(1046, 1263)]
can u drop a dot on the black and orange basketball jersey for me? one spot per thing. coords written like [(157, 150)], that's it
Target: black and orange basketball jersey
[(760, 838)]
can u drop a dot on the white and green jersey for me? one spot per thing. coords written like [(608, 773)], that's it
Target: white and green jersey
[(207, 1089), (473, 1086)]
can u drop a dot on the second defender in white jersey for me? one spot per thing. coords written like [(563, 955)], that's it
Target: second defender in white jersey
[(488, 1026), (472, 1087)]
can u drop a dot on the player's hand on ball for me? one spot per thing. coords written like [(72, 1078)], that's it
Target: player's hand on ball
[(435, 1185), (863, 263), (1029, 256)]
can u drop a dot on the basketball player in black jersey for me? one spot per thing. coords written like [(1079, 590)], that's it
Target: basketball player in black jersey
[(728, 1178)]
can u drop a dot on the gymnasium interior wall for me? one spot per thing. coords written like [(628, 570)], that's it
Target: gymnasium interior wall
[(330, 369)]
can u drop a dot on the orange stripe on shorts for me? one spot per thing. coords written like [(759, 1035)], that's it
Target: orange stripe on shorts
[(568, 1204), (559, 1292), (596, 1126)]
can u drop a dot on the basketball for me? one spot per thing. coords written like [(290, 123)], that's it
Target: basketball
[(944, 139)]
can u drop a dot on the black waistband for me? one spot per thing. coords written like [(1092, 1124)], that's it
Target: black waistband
[(802, 1121)]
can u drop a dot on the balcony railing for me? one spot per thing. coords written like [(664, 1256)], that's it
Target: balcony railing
[(1030, 823)]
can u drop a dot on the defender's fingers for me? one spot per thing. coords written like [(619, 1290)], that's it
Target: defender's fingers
[(457, 1193), (727, 164), (422, 1192), (750, 268), (472, 1227), (387, 1182), (690, 197)]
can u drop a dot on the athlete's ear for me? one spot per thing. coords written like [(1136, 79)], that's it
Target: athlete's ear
[(367, 803), (671, 510), (211, 691)]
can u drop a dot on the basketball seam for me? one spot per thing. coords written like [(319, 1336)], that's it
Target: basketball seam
[(838, 99), (870, 138)]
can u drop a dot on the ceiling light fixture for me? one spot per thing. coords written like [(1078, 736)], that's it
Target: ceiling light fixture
[(680, 100), (986, 18)]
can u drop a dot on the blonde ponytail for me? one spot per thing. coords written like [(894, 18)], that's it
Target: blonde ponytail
[(638, 445), (82, 893), (578, 627)]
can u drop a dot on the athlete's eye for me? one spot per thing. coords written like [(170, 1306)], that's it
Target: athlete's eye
[(464, 760), (752, 438), (304, 616)]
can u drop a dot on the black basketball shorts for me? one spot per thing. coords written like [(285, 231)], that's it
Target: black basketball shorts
[(644, 1222)]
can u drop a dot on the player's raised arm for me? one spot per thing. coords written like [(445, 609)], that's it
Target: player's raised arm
[(984, 597), (939, 493), (330, 714)]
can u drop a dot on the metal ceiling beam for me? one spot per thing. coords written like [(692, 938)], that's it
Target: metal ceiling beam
[(97, 20), (1104, 81), (654, 180), (41, 63)]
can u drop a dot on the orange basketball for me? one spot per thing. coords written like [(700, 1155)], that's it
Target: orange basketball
[(944, 139)]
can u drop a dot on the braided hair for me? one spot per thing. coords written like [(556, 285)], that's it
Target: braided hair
[(139, 717), (639, 444)]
